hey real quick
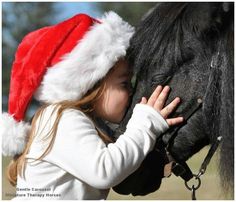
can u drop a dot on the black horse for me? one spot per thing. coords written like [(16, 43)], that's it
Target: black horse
[(190, 47)]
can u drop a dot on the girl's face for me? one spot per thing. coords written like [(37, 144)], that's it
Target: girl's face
[(113, 103)]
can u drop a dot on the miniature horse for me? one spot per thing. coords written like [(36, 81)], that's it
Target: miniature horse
[(190, 47)]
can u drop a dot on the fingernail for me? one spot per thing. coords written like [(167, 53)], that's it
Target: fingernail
[(167, 87), (178, 99)]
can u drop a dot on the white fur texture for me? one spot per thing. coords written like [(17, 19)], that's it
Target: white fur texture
[(13, 134), (88, 62)]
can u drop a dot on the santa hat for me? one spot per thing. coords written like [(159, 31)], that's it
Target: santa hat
[(60, 62)]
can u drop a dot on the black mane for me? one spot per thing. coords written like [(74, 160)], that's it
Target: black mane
[(173, 21)]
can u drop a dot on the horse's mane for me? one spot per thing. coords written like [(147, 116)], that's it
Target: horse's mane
[(227, 112), (172, 22)]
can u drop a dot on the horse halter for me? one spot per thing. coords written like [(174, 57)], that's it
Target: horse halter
[(181, 168)]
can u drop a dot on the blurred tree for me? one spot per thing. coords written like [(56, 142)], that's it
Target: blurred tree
[(130, 11), (18, 19)]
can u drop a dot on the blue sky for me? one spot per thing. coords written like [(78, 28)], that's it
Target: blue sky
[(68, 9)]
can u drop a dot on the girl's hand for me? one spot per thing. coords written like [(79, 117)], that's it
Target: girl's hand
[(157, 101)]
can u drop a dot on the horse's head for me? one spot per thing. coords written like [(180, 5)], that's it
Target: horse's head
[(187, 46)]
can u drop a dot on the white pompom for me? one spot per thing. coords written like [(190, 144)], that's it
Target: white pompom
[(14, 135)]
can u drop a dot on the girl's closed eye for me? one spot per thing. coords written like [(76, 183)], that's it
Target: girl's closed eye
[(126, 83)]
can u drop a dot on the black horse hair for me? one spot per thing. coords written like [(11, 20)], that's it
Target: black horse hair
[(174, 36)]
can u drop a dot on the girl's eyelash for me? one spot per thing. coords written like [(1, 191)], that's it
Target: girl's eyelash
[(125, 83)]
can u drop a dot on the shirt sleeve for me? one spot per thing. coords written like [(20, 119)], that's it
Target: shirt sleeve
[(80, 151)]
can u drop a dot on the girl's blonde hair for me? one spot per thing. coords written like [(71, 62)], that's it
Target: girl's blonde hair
[(17, 165)]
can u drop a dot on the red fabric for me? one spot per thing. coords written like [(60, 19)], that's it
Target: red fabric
[(38, 50)]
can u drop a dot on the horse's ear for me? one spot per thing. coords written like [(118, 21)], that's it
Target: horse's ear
[(227, 6), (205, 17), (224, 14)]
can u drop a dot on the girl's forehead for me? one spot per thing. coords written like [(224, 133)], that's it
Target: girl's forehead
[(122, 68)]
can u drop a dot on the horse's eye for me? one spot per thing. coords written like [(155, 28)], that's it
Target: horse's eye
[(160, 79)]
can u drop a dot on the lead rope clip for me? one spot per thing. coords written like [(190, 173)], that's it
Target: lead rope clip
[(193, 193), (193, 188)]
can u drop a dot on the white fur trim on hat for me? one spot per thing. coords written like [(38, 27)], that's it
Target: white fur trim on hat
[(14, 135), (88, 62)]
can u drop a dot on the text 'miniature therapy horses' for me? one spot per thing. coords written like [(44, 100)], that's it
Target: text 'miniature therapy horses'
[(190, 47)]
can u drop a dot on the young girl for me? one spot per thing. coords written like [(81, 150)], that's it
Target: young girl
[(77, 70)]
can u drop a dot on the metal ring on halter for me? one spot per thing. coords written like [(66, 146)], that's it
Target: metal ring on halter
[(191, 187)]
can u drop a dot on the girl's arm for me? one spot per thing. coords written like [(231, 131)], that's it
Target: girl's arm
[(79, 150)]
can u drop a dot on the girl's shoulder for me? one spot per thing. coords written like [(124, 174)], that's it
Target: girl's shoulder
[(54, 108), (67, 115)]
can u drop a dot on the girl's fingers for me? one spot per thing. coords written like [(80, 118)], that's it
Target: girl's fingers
[(174, 121), (154, 96), (166, 111), (143, 100), (160, 101)]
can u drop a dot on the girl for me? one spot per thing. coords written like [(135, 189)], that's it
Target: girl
[(76, 68)]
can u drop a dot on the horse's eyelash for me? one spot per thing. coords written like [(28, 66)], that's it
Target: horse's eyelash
[(160, 79)]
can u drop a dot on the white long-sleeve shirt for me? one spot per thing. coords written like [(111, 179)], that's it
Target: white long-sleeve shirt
[(80, 165)]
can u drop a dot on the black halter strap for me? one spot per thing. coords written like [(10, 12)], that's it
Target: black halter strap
[(203, 168), (181, 168), (196, 105), (209, 155)]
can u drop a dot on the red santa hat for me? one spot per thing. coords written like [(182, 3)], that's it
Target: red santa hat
[(60, 62)]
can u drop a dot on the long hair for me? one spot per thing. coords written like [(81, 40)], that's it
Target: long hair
[(86, 105)]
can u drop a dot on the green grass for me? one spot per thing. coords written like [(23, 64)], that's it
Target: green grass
[(172, 188)]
